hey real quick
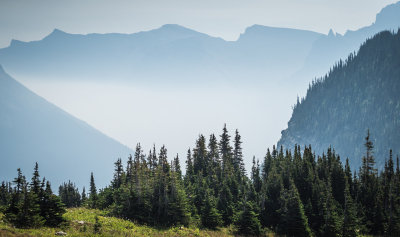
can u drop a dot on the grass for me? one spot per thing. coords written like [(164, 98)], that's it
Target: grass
[(110, 226)]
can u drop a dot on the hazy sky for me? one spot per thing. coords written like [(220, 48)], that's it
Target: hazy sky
[(31, 20)]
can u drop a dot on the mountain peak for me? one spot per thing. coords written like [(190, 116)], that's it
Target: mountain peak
[(331, 33), (175, 28), (389, 15), (56, 33)]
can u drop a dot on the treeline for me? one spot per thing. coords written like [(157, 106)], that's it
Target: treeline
[(292, 194), (30, 204)]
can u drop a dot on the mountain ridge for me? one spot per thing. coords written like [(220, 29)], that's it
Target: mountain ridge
[(34, 130)]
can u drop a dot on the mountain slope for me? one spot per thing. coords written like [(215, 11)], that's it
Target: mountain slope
[(360, 94), (32, 129), (328, 49)]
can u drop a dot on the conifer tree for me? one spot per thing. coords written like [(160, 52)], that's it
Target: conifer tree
[(350, 213), (177, 167), (225, 150), (332, 222), (189, 168), (226, 204), (210, 217), (248, 222), (118, 174), (29, 213), (84, 198), (35, 184), (293, 221), (238, 163), (52, 208), (93, 193), (255, 175)]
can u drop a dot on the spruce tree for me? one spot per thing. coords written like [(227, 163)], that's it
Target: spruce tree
[(83, 196), (210, 217), (35, 184), (293, 221), (52, 208), (225, 150), (238, 163), (350, 213), (93, 193), (248, 222)]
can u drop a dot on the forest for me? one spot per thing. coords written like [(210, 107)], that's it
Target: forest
[(358, 93), (292, 193)]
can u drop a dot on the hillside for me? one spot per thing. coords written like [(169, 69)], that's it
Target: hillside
[(356, 95), (32, 129), (80, 222)]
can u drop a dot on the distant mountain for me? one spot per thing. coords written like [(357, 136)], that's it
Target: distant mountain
[(173, 53), (359, 94), (32, 129), (170, 53), (328, 49)]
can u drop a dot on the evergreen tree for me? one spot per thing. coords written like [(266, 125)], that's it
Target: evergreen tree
[(97, 226), (225, 150), (35, 184), (177, 167), (226, 204), (93, 193), (248, 222), (69, 194), (350, 213), (84, 198), (238, 163), (118, 174), (52, 209), (293, 221), (210, 217), (332, 223)]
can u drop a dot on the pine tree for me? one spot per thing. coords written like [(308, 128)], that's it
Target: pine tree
[(248, 222), (225, 204), (210, 217), (29, 213), (350, 213), (97, 226), (293, 221), (52, 208), (332, 223), (35, 184), (93, 193), (225, 150), (200, 159), (83, 196), (255, 175), (177, 167), (238, 163), (118, 174), (189, 168)]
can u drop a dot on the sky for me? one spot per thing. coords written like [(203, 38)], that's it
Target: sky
[(29, 20)]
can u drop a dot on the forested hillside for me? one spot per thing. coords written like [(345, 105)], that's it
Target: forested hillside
[(358, 94)]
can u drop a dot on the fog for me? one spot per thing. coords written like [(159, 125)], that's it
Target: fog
[(175, 116)]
